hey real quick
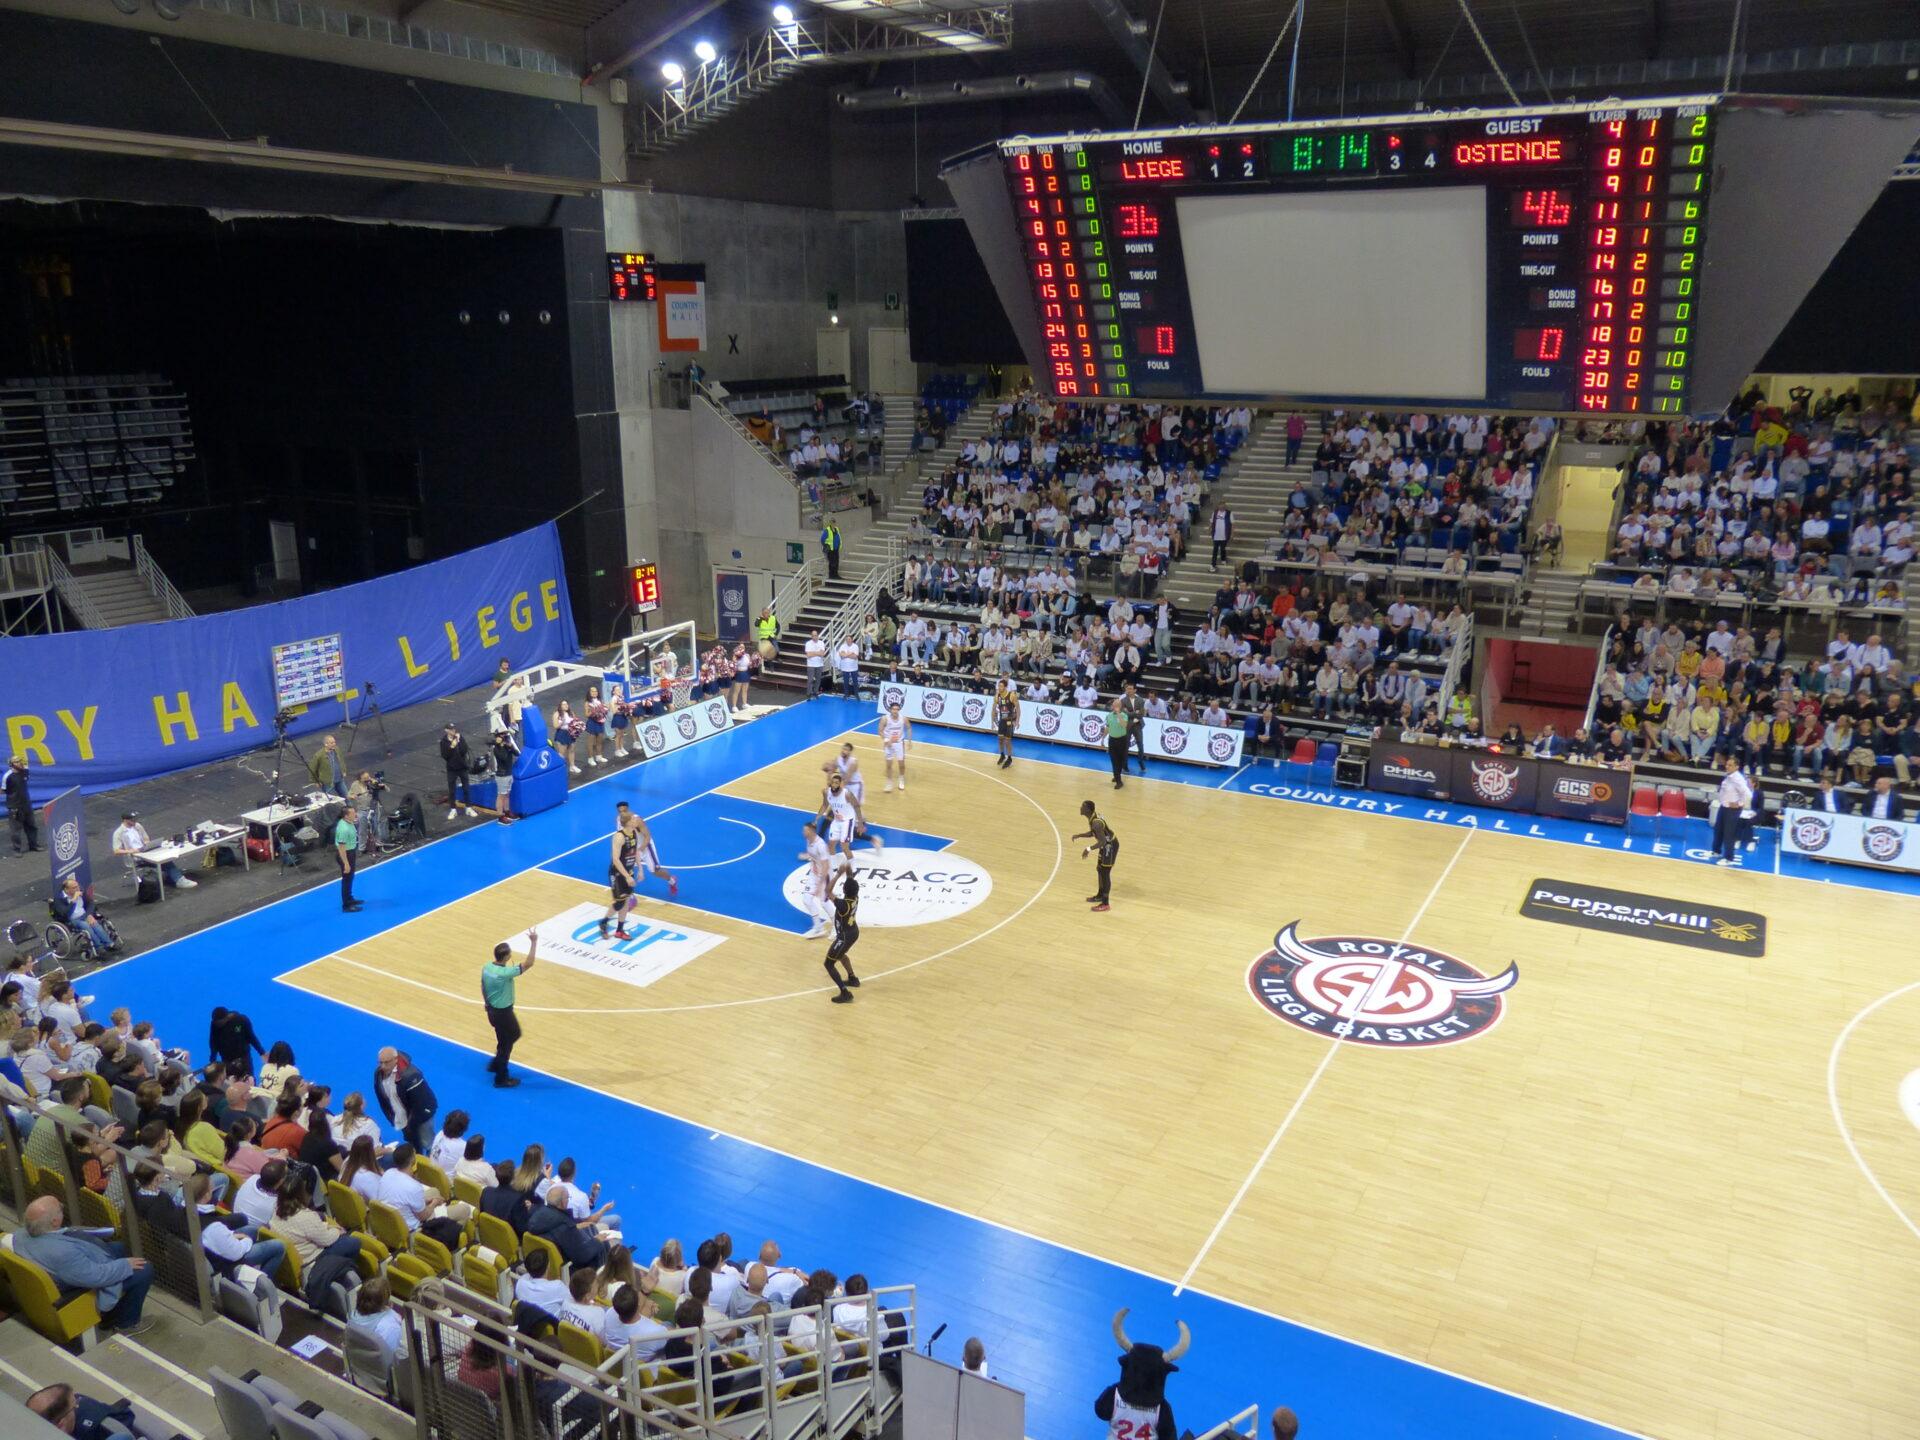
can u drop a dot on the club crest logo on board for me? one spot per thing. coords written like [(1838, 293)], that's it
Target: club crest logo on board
[(717, 715), (973, 710), (1092, 728), (1882, 842), (1494, 781), (654, 739), (1219, 746), (687, 726), (66, 841), (1811, 832), (1369, 991), (1047, 722), (933, 704), (1173, 739), (891, 696)]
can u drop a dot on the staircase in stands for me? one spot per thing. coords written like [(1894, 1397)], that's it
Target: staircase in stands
[(874, 546)]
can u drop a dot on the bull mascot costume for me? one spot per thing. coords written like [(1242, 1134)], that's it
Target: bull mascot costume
[(1136, 1407)]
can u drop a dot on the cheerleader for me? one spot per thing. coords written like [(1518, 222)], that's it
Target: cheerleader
[(566, 729), (596, 727), (745, 662), (617, 722)]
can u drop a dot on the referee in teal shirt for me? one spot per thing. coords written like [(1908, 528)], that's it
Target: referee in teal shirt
[(346, 849), (496, 990)]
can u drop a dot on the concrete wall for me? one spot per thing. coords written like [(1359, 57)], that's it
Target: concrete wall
[(770, 270)]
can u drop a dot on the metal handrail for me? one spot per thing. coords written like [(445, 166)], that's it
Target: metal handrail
[(765, 452), (796, 590), (1450, 678), (1247, 1423), (76, 599), (23, 574), (170, 599), (848, 619), (1599, 674)]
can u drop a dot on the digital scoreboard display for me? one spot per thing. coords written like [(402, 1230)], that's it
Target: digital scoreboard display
[(1530, 260), (630, 276)]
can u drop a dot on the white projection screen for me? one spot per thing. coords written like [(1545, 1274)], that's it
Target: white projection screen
[(1354, 294)]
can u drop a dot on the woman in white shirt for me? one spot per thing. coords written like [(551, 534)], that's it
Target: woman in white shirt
[(449, 1147), (373, 1313), (277, 1071), (362, 1170), (353, 1122)]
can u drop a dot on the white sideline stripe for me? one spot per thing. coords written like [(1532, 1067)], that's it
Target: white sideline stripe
[(1059, 855), (1334, 1047), (1840, 1120), (178, 1372), (117, 1388), (967, 1214), (1235, 776)]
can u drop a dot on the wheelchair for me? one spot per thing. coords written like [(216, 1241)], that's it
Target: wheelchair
[(65, 941)]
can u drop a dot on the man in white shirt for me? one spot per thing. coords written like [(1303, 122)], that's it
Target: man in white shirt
[(131, 838), (258, 1195), (538, 1289), (630, 1324), (579, 1308), (399, 1189), (849, 657), (1883, 804), (1736, 794), (816, 663)]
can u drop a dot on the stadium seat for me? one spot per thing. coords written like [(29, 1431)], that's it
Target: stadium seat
[(388, 1225), (467, 1190), (1673, 805), (349, 1211), (245, 1413), (1325, 759), (433, 1252), (1645, 805), (582, 1346), (482, 1275), (38, 1298), (1304, 750), (432, 1176), (497, 1234), (366, 1361), (406, 1273), (556, 1265)]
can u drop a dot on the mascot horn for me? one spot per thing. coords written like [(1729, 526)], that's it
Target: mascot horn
[(1136, 1408)]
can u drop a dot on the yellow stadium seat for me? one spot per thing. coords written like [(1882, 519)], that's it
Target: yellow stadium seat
[(39, 1300), (430, 1174), (582, 1346), (433, 1252), (467, 1190), (99, 1213), (99, 1092), (372, 1258), (497, 1234), (481, 1275), (288, 1276), (406, 1273), (349, 1212), (664, 1304), (389, 1226), (556, 1267)]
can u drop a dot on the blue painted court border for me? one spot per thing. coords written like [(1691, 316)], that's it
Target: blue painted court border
[(1041, 1308)]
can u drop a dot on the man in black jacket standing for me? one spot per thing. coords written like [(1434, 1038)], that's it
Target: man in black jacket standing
[(231, 1036), (405, 1098), (453, 754), (20, 819)]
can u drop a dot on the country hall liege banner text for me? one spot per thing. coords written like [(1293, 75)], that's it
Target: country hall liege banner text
[(99, 708)]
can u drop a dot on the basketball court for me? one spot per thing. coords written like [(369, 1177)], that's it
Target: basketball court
[(1316, 1067)]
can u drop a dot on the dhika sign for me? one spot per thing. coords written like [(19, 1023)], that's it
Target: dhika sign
[(1065, 724)]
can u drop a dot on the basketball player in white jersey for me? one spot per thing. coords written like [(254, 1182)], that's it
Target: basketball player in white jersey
[(845, 822), (847, 766), (896, 734), (818, 892)]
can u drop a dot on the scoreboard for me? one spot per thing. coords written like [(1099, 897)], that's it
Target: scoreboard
[(1534, 259)]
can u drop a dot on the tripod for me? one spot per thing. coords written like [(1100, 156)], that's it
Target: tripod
[(369, 704), (284, 742)]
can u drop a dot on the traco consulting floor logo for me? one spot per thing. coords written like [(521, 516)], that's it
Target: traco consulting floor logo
[(1368, 991), (905, 886)]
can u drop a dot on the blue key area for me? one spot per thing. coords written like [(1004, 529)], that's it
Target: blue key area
[(730, 856)]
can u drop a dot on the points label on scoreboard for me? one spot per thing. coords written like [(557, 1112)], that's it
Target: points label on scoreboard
[(1596, 219)]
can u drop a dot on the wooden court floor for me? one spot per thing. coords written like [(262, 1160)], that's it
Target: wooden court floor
[(1630, 1198)]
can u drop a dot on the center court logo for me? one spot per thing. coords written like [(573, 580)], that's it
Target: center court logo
[(903, 886), (1368, 991)]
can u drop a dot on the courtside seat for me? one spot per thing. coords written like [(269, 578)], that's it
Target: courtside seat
[(1304, 750), (1644, 805), (1673, 805), (63, 1319)]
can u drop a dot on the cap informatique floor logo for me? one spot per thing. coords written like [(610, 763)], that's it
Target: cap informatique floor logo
[(1369, 991)]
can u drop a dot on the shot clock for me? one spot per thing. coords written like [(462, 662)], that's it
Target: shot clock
[(1573, 276)]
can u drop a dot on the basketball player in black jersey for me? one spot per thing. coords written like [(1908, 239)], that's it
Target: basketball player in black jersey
[(1108, 844), (1006, 719), (846, 931), (632, 858)]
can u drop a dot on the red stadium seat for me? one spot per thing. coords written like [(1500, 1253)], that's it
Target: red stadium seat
[(1303, 751), (1673, 804), (1645, 802)]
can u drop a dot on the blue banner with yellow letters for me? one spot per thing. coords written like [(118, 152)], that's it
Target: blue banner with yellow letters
[(99, 708)]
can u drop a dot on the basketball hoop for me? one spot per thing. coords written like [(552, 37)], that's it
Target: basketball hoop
[(680, 694)]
